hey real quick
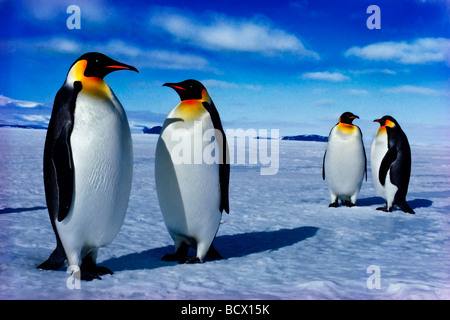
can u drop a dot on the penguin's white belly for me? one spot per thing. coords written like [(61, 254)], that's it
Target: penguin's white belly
[(378, 151), (188, 192), (103, 165), (344, 165)]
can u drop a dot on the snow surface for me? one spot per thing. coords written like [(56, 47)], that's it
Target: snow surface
[(280, 240)]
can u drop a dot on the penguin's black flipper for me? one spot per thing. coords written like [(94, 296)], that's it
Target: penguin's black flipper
[(63, 163), (389, 158), (364, 151), (58, 167), (323, 165), (365, 161), (224, 166), (58, 162)]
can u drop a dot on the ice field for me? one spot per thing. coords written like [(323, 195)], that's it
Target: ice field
[(280, 240)]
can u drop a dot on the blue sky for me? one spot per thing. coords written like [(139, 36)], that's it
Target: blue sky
[(291, 65)]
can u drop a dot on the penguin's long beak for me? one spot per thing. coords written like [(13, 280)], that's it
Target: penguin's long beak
[(181, 91), (377, 120), (354, 117), (120, 66), (174, 86)]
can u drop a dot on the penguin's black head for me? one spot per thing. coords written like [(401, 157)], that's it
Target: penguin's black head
[(347, 118), (98, 65), (188, 89), (387, 121)]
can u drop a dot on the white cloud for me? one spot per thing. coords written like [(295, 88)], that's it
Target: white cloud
[(373, 71), (165, 59), (219, 84), (20, 103), (227, 33), (229, 85), (325, 76), (416, 90), (160, 59), (419, 51), (358, 92), (59, 45), (142, 57), (62, 45), (324, 103), (35, 118), (97, 11)]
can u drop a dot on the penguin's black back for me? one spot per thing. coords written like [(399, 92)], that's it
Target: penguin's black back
[(224, 166), (401, 164)]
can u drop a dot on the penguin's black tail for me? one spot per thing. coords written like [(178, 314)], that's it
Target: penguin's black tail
[(56, 260), (405, 207)]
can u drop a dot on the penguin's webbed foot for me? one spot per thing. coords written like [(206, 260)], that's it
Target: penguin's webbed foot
[(180, 254), (91, 273), (212, 254), (103, 270), (173, 257), (192, 260), (334, 204), (88, 276), (384, 209), (55, 261), (348, 203)]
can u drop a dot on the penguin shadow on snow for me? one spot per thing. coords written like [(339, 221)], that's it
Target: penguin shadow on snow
[(240, 245), (17, 210), (414, 204), (229, 246), (419, 203)]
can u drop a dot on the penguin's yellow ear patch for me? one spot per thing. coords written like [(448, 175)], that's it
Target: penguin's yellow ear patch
[(78, 69), (389, 124), (345, 127), (205, 96)]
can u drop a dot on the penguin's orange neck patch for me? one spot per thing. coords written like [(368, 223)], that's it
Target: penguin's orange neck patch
[(381, 130), (190, 109), (347, 128), (91, 85)]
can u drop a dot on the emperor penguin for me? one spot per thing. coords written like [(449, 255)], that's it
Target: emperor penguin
[(192, 191), (344, 161), (391, 164), (88, 165)]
